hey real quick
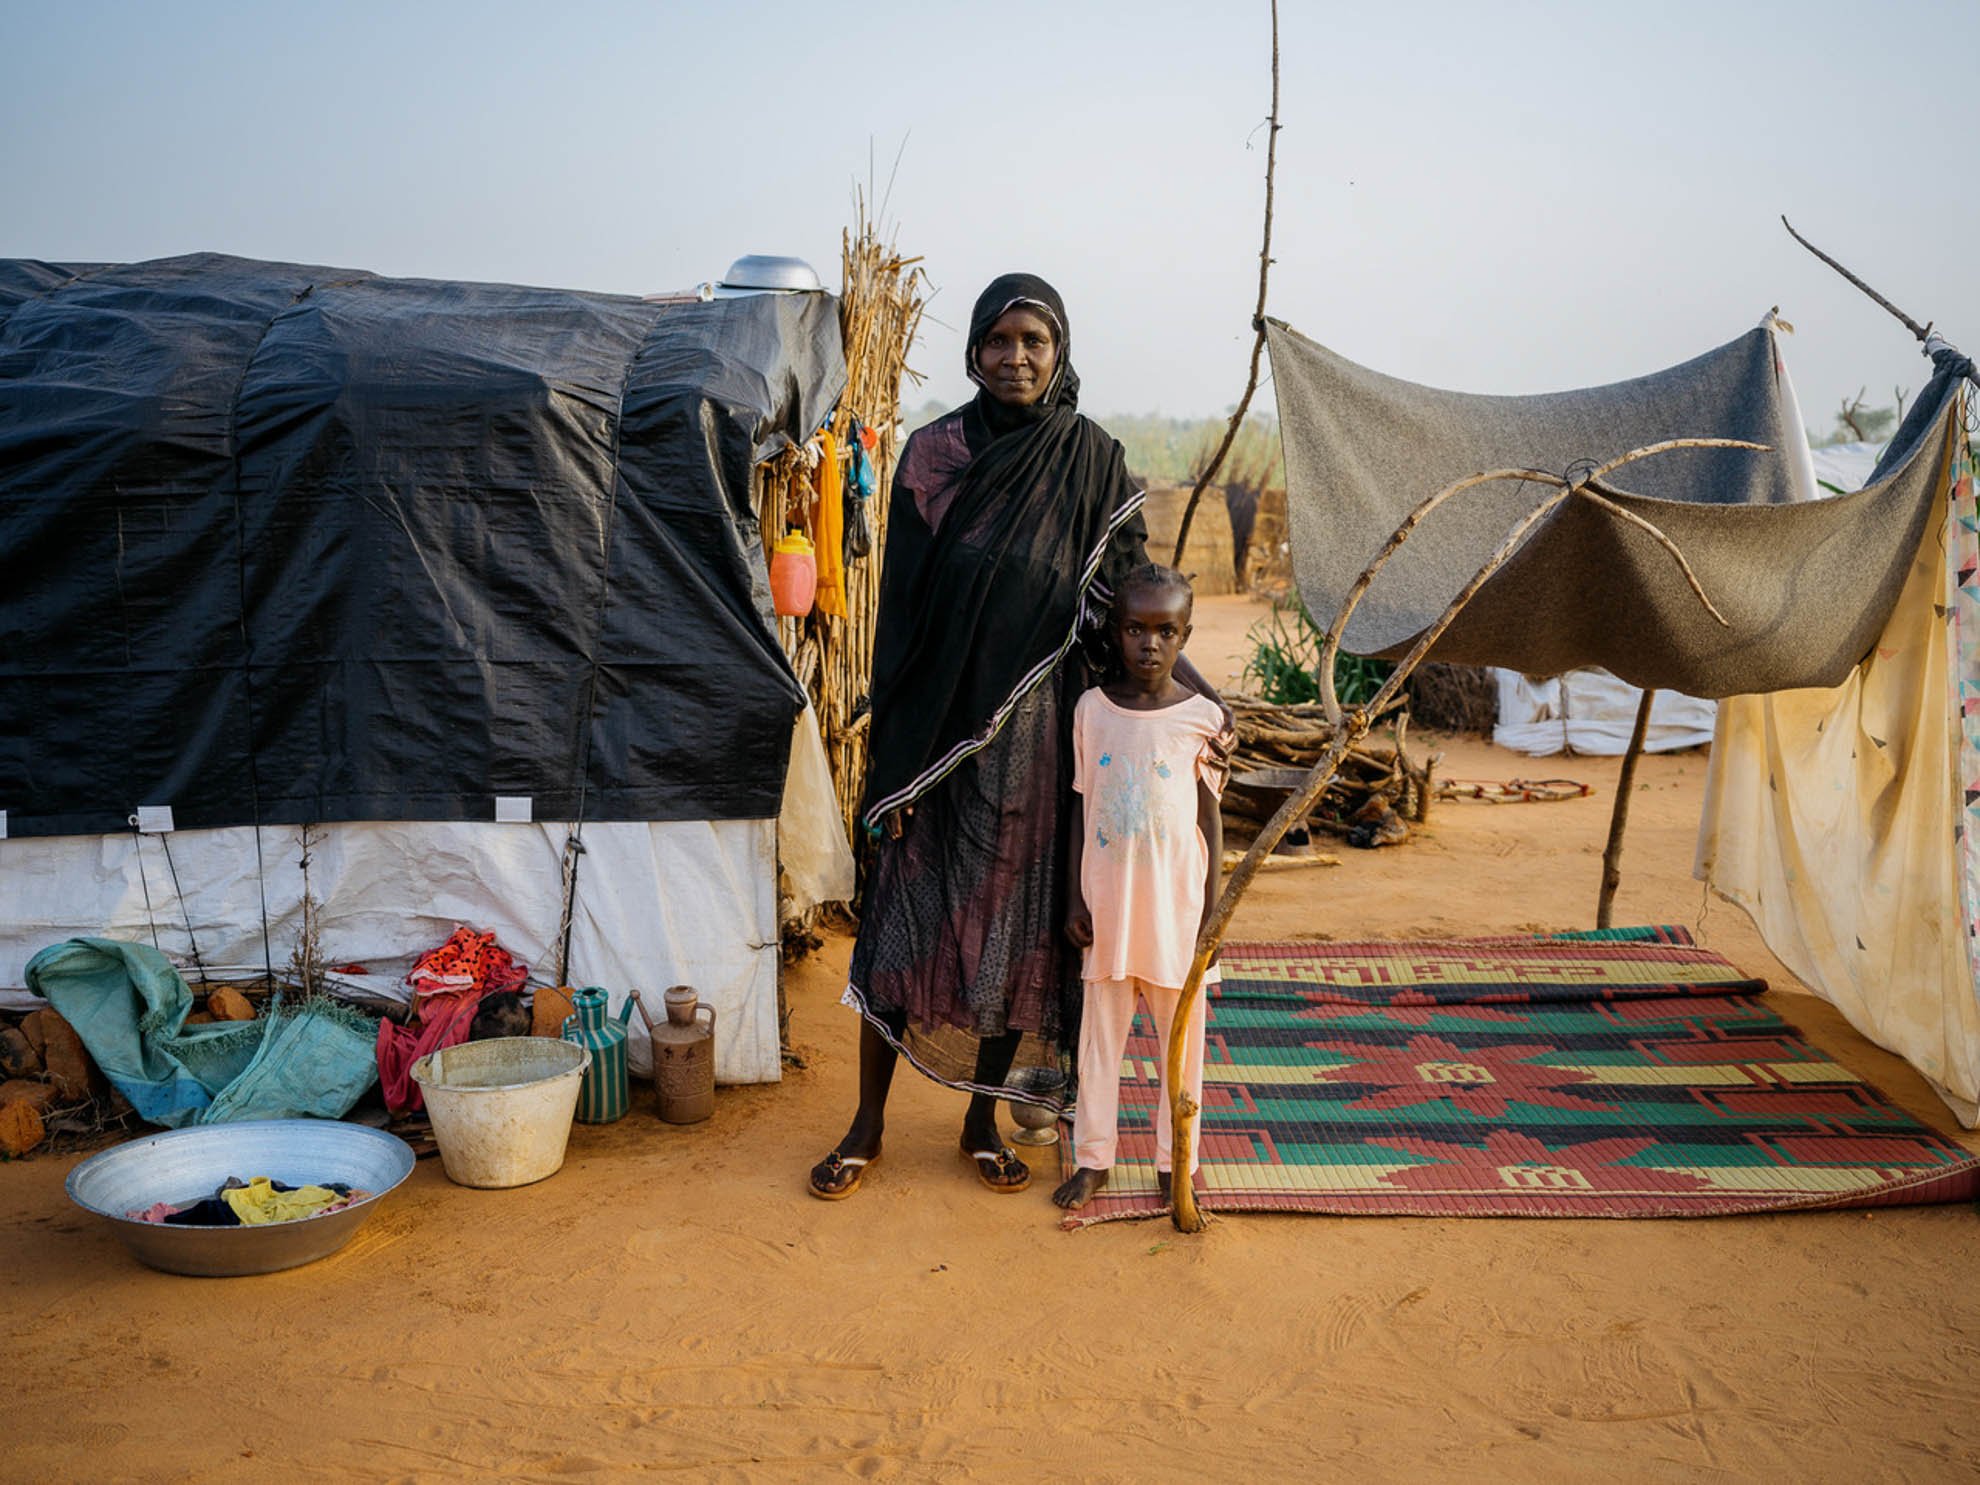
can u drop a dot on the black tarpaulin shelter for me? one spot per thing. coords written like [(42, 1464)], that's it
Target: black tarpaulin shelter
[(282, 543)]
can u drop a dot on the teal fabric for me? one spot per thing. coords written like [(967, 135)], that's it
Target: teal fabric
[(312, 1063), (129, 1006)]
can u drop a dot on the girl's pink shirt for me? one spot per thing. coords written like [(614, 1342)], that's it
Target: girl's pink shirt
[(1143, 861)]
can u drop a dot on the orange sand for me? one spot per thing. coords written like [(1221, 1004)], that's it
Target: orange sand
[(674, 1301)]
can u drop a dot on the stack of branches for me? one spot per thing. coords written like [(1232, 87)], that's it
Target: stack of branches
[(879, 311), (1376, 792)]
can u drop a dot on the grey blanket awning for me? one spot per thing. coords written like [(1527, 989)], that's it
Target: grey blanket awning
[(1805, 585)]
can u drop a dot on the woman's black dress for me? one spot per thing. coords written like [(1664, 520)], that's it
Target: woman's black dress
[(988, 616)]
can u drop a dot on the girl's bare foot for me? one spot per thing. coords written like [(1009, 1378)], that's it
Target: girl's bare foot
[(1079, 1188)]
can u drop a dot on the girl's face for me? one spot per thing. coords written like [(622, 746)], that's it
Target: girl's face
[(1151, 627), (1017, 356)]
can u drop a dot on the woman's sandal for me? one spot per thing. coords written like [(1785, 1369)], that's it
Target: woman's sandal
[(834, 1164), (991, 1165)]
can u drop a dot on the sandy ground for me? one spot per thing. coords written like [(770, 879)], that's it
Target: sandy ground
[(674, 1302)]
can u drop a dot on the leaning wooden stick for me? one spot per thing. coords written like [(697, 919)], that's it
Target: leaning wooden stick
[(1923, 332), (1619, 813), (1349, 728), (1257, 317)]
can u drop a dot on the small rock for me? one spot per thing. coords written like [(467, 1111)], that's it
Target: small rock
[(20, 1129), (38, 1096), (31, 1029), (198, 1018), (227, 1004), (75, 1077), (18, 1057)]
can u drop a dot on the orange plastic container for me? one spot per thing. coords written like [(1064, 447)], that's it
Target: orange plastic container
[(793, 575)]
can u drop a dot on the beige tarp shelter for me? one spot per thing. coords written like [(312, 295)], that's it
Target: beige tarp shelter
[(1841, 818)]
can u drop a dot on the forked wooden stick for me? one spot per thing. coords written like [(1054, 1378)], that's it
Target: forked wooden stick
[(1596, 494), (1349, 728), (1584, 487)]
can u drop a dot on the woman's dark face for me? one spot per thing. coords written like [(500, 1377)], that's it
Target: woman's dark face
[(1017, 356)]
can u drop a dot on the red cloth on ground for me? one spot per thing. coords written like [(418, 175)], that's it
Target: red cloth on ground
[(448, 984), (444, 1018)]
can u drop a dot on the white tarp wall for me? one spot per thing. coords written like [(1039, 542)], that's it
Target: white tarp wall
[(1591, 711), (1843, 468), (657, 904)]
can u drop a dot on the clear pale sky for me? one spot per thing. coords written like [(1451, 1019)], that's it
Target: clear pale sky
[(1496, 197)]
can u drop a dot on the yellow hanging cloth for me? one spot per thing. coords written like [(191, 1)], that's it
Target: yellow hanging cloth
[(259, 1202), (831, 528)]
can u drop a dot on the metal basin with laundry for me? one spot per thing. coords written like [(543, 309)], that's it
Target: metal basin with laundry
[(184, 1165)]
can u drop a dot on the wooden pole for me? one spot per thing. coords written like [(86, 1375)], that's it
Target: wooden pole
[(1921, 331), (1619, 814), (1349, 728), (1257, 317)]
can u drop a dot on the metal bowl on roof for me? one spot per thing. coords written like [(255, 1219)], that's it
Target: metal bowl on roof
[(772, 271)]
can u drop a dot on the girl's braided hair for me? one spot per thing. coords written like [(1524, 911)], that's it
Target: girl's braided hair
[(1152, 577)]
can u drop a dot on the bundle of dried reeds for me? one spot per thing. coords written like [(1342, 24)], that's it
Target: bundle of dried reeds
[(879, 311)]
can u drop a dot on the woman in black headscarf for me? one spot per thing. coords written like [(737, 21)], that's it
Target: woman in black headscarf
[(1012, 519)]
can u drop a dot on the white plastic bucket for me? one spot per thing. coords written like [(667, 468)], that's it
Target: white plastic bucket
[(502, 1109)]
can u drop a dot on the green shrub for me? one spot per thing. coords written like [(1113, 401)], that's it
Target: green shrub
[(1285, 662)]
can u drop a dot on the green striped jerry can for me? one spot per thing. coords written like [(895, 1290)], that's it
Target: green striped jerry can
[(604, 1094)]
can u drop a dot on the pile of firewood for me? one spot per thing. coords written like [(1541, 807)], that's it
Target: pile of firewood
[(1374, 797)]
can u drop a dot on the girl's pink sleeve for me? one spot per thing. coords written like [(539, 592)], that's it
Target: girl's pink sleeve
[(1213, 764)]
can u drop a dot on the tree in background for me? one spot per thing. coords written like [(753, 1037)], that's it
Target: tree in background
[(1161, 449), (1856, 423)]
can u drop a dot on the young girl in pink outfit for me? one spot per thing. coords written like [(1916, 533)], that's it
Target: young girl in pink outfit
[(1146, 845)]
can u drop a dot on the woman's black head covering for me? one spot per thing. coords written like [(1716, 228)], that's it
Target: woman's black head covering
[(1027, 291), (980, 611)]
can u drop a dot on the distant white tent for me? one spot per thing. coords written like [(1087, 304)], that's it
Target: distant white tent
[(1590, 711)]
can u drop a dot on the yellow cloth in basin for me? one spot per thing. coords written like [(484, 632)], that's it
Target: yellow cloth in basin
[(259, 1202)]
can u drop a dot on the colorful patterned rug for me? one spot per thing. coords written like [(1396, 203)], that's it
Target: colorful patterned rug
[(1629, 1074)]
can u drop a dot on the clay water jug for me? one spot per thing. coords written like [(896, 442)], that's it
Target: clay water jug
[(603, 1095), (684, 1058)]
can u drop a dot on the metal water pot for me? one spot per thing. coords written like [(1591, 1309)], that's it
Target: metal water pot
[(684, 1058), (604, 1094)]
